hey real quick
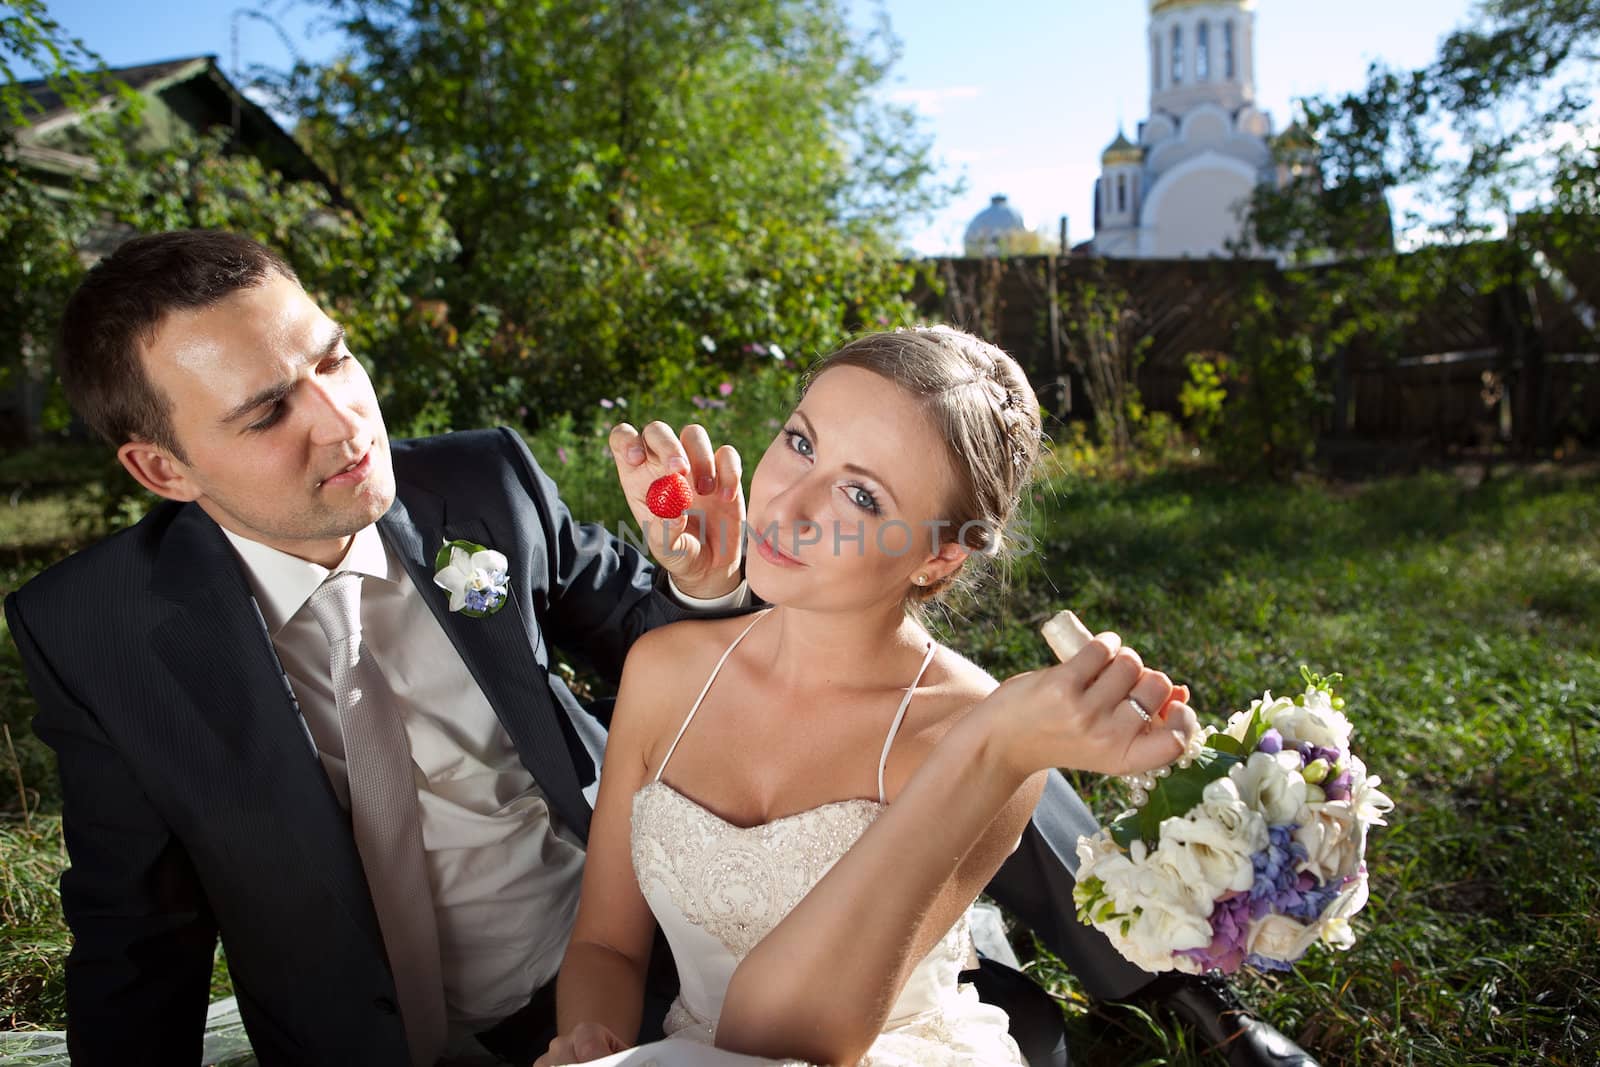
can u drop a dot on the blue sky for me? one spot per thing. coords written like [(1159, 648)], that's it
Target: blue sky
[(1021, 97)]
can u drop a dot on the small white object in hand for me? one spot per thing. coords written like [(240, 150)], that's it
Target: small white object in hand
[(1066, 635)]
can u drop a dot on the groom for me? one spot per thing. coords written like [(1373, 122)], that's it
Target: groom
[(272, 726)]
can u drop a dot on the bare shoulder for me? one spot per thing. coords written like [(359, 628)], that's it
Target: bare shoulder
[(964, 679), (665, 670), (951, 688), (670, 651)]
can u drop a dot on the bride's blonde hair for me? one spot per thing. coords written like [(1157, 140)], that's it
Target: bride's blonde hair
[(987, 415)]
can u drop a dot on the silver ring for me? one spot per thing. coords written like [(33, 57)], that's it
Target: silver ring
[(1140, 708)]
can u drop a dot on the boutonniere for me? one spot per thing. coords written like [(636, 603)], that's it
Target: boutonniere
[(476, 578)]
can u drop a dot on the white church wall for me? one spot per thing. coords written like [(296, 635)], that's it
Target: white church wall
[(1155, 129), (1251, 150), (1207, 124), (1117, 243), (1194, 208), (1253, 121), (1206, 145)]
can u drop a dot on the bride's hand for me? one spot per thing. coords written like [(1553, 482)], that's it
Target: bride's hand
[(703, 548), (1078, 714), (586, 1041)]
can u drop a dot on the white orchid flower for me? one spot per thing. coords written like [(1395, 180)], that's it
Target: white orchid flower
[(475, 578)]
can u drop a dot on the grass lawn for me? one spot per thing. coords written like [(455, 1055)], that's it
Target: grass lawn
[(1465, 619)]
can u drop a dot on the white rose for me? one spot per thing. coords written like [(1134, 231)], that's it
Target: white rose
[(1156, 881), (1095, 851), (1317, 721), (1158, 931), (1101, 858), (1239, 721), (1334, 841), (1212, 845), (1119, 873), (1173, 876), (1221, 802), (1279, 937), (1271, 784)]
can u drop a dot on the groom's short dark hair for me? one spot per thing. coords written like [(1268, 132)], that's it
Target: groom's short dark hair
[(118, 307)]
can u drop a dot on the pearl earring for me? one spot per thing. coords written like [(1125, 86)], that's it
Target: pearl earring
[(921, 579)]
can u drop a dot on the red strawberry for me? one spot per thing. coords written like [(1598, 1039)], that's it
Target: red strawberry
[(668, 497)]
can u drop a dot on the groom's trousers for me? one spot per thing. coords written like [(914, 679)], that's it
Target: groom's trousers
[(1036, 884)]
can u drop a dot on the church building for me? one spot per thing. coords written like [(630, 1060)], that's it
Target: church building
[(1205, 146)]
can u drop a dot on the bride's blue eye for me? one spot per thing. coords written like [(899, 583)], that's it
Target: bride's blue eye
[(799, 442), (863, 499)]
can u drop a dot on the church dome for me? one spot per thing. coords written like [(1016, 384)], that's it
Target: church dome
[(1159, 6), (1122, 150), (988, 230)]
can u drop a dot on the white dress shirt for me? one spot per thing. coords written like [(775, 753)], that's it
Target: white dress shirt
[(505, 872)]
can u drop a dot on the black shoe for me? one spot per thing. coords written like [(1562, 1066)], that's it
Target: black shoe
[(1206, 1003)]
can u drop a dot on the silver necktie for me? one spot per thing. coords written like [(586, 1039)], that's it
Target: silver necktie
[(384, 815)]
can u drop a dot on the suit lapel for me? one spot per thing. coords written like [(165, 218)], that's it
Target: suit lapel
[(216, 645), (498, 649)]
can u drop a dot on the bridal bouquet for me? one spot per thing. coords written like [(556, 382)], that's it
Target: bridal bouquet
[(1248, 850)]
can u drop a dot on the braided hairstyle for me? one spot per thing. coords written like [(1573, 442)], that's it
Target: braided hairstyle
[(983, 408)]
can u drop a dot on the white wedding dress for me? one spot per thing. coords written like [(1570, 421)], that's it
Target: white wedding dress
[(717, 889)]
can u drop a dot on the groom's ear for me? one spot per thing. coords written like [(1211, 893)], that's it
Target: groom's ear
[(158, 470)]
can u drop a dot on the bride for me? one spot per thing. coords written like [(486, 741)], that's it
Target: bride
[(808, 799)]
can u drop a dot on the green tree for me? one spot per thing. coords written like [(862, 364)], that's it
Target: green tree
[(363, 253), (633, 185), (39, 232), (1493, 149)]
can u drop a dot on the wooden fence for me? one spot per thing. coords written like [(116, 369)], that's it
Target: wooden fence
[(1471, 367)]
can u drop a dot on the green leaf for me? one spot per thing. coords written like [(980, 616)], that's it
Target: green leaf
[(442, 560), (1226, 743), (1173, 796)]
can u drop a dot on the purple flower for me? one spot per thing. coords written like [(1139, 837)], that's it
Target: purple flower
[(607, 403), (1277, 884), (1338, 788), (561, 454), (1266, 963), (1314, 898), (699, 401), (725, 389), (1230, 927), (1271, 742), (755, 348), (483, 599)]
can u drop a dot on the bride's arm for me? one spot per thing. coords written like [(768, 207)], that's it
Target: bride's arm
[(603, 975), (821, 984)]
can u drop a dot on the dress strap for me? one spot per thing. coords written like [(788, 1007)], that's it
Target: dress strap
[(899, 717), (706, 689)]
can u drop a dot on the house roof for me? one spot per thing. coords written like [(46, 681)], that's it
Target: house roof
[(220, 101), (50, 104)]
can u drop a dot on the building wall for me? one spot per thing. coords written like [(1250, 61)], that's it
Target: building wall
[(1194, 210)]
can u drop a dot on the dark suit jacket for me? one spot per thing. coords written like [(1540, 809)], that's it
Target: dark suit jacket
[(193, 800)]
